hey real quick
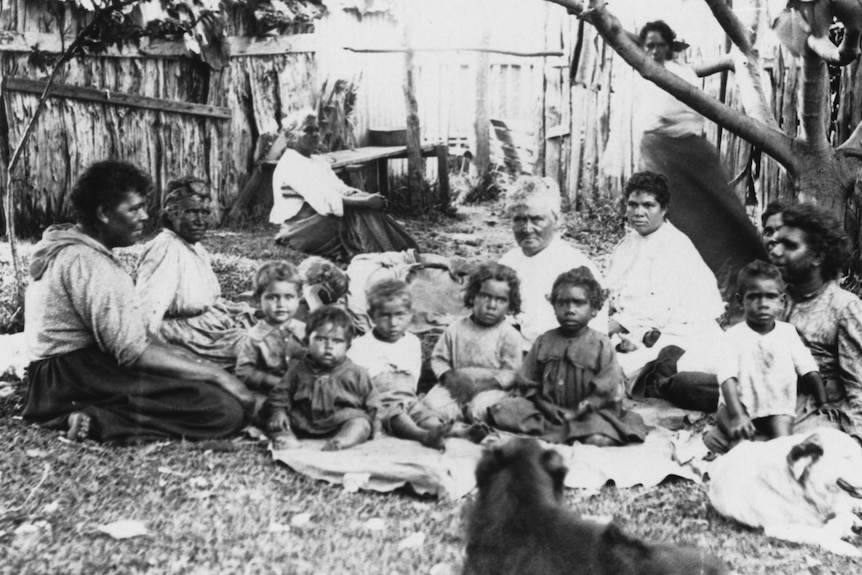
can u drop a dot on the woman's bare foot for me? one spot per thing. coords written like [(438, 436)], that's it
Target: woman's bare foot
[(79, 426), (475, 432)]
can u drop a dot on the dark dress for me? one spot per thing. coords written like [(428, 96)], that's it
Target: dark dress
[(319, 400), (569, 370)]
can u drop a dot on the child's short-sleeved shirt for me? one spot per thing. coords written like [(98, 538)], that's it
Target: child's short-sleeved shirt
[(394, 369), (267, 349), (767, 367)]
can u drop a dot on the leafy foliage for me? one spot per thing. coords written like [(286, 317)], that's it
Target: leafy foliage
[(335, 114)]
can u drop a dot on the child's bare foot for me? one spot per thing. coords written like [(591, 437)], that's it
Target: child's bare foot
[(352, 433), (332, 445), (79, 426), (285, 441), (436, 438), (475, 432)]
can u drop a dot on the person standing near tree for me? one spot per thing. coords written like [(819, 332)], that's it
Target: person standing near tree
[(705, 208)]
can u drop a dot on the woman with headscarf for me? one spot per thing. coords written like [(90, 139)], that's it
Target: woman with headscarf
[(704, 207), (180, 292), (320, 214), (95, 373)]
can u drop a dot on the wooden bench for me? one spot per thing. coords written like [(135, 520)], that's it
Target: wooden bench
[(380, 156)]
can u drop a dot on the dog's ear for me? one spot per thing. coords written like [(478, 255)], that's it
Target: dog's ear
[(556, 468), (802, 455), (490, 463)]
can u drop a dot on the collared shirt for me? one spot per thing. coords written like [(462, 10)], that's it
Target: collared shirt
[(267, 349), (659, 281)]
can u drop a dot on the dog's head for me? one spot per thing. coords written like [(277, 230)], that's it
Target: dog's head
[(521, 467), (828, 465)]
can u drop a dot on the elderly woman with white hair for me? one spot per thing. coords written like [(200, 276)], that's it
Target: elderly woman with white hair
[(320, 214), (533, 205)]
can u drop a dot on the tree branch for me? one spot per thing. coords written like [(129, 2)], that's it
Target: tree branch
[(812, 102), (730, 23), (759, 132)]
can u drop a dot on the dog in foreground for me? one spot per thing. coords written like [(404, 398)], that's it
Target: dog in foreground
[(802, 488), (519, 525)]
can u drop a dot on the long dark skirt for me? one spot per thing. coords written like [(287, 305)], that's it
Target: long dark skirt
[(357, 232), (702, 205), (520, 415), (124, 405)]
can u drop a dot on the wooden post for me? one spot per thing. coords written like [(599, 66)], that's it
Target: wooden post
[(482, 161), (415, 164)]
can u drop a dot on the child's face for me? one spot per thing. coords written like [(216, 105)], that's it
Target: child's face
[(491, 304), (279, 301), (328, 344), (572, 308), (762, 302), (391, 319)]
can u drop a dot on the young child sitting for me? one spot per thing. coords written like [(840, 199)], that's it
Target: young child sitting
[(765, 359), (277, 338), (324, 394), (393, 358), (477, 358), (574, 381)]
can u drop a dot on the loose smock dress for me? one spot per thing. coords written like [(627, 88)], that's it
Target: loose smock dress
[(85, 331), (182, 300), (567, 371)]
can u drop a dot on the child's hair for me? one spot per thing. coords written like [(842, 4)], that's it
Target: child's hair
[(758, 269), (319, 271), (583, 278), (497, 272), (275, 271), (387, 290), (333, 314)]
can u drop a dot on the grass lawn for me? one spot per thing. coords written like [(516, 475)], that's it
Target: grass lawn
[(225, 507)]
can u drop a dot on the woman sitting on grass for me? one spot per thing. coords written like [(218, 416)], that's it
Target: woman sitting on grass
[(180, 292), (319, 214), (95, 373)]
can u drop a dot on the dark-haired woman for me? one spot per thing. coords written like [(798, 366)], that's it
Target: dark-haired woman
[(95, 373), (811, 250), (178, 287), (704, 207)]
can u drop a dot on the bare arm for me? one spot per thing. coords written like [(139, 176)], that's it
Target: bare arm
[(161, 360), (739, 425)]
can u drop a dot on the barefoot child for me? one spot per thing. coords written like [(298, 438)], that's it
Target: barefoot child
[(578, 384), (477, 358), (393, 358), (277, 338), (766, 356), (324, 394)]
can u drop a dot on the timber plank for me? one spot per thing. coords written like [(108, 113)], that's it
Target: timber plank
[(28, 86)]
